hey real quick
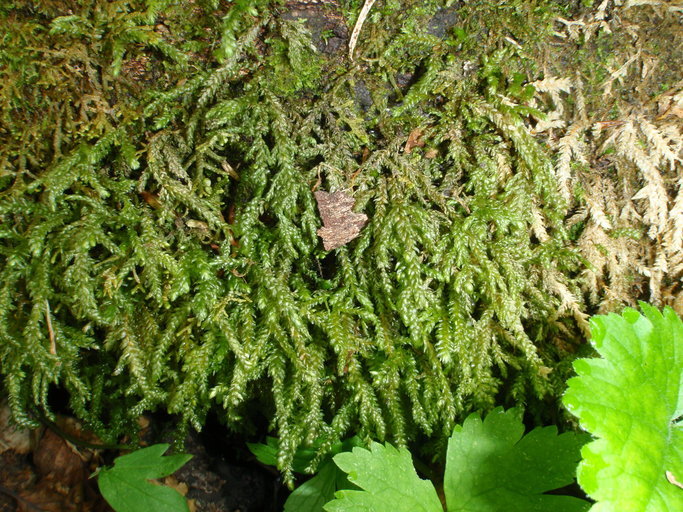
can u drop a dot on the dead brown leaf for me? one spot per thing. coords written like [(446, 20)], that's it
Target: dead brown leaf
[(57, 459), (414, 140), (340, 223), (181, 487), (151, 199)]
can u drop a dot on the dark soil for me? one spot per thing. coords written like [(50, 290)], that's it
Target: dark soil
[(40, 471), (223, 476)]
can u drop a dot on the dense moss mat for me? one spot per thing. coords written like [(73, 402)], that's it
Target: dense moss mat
[(159, 227)]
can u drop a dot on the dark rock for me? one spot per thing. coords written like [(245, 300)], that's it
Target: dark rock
[(217, 484), (324, 20), (363, 96), (443, 21)]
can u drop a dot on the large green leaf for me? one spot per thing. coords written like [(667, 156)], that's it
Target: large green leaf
[(127, 488), (631, 400), (491, 467), (388, 480)]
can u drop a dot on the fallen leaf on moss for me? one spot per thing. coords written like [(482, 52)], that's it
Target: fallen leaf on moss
[(414, 140)]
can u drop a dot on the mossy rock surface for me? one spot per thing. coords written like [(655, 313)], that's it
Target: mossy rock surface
[(160, 231)]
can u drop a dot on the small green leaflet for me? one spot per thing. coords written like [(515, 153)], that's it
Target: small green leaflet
[(267, 454), (490, 467), (311, 495), (126, 486), (631, 400)]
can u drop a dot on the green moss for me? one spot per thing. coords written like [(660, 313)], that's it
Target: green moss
[(167, 258), (293, 63)]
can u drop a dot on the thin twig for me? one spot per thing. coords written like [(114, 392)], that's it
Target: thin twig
[(50, 331), (359, 25)]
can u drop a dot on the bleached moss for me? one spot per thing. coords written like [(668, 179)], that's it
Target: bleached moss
[(618, 132)]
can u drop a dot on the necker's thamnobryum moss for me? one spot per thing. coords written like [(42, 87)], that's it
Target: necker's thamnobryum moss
[(173, 261)]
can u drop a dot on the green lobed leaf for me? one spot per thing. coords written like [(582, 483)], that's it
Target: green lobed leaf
[(491, 466), (388, 480), (631, 400), (126, 486)]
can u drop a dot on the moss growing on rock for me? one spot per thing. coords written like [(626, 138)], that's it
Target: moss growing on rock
[(167, 257)]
